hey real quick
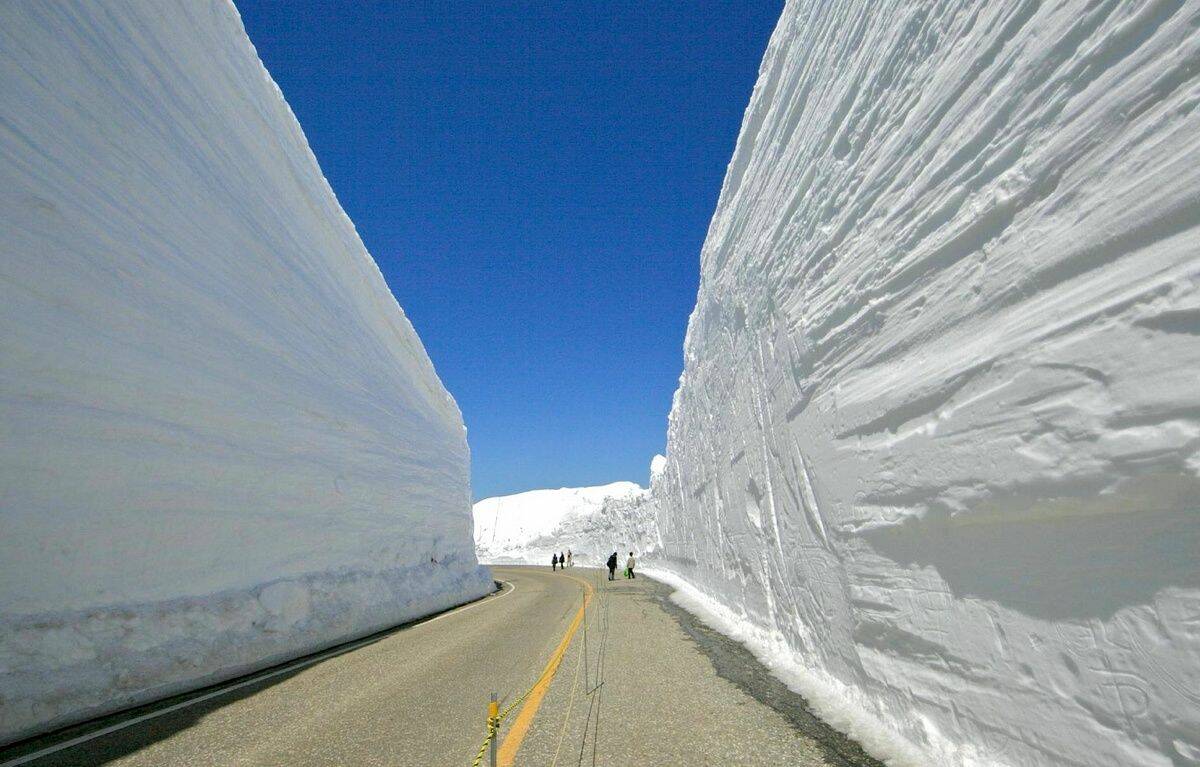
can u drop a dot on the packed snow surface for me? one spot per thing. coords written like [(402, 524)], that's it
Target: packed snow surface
[(937, 440), (223, 444), (531, 527)]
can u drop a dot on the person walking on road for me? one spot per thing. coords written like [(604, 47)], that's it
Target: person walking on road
[(612, 566), (629, 566), (570, 559), (553, 561)]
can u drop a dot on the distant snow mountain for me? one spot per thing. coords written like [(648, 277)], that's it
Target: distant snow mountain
[(530, 527)]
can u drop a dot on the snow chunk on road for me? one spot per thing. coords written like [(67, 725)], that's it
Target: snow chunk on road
[(223, 443)]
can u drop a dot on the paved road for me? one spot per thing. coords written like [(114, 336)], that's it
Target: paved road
[(646, 691)]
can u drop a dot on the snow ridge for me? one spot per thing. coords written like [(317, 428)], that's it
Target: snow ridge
[(591, 522), (937, 439), (223, 443)]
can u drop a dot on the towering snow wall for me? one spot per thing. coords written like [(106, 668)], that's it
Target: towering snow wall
[(221, 442), (938, 433)]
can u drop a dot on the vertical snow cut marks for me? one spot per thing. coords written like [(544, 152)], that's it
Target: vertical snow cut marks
[(224, 444), (938, 433)]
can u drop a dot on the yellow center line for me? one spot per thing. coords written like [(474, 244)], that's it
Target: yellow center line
[(520, 727)]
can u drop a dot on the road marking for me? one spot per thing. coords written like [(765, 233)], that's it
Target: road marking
[(303, 663), (520, 727), (456, 610)]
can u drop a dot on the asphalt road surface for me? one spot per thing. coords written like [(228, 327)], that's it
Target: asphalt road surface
[(590, 672)]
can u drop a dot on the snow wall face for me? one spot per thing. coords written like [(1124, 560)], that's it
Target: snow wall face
[(938, 433), (223, 444)]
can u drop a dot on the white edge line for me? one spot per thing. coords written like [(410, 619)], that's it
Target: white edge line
[(244, 683)]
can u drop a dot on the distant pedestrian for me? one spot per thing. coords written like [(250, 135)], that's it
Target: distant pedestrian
[(629, 566), (553, 561), (612, 566), (570, 559), (562, 560)]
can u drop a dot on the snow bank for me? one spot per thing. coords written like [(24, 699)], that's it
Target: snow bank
[(938, 434), (592, 522), (223, 444)]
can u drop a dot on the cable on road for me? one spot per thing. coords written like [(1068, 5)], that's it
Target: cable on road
[(562, 733), (547, 672), (494, 722), (600, 680), (595, 693)]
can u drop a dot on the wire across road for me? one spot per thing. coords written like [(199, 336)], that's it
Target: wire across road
[(599, 672)]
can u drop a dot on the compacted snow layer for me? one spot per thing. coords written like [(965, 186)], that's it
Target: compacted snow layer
[(223, 444), (591, 522), (938, 434)]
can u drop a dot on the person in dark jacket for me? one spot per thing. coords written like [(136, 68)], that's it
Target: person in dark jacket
[(612, 566), (553, 561)]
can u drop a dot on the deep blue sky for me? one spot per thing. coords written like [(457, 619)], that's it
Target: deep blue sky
[(535, 181)]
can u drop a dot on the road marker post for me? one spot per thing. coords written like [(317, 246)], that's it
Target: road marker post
[(493, 726)]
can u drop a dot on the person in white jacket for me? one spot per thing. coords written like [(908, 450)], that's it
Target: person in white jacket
[(629, 566)]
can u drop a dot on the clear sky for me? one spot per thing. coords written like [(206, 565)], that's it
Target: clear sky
[(535, 181)]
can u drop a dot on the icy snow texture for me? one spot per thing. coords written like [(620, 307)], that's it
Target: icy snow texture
[(223, 444), (939, 427), (529, 528)]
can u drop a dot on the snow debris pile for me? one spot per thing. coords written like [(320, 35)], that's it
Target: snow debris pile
[(936, 449), (223, 443), (591, 522)]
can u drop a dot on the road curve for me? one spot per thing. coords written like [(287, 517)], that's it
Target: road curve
[(644, 692)]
